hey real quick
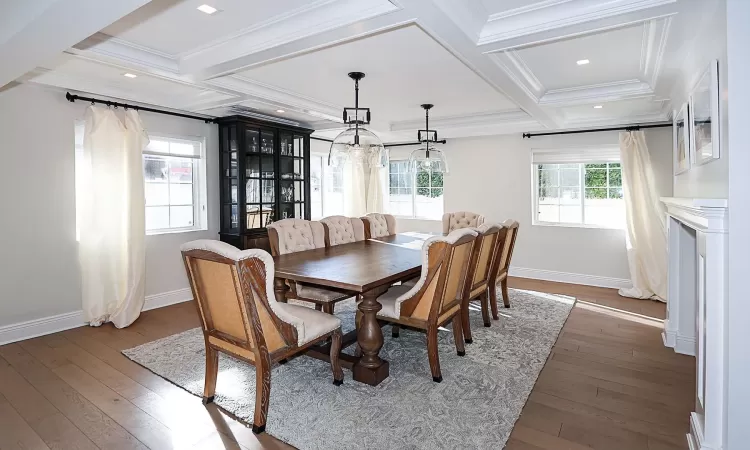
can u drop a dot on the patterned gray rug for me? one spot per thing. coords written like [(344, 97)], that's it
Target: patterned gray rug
[(475, 406)]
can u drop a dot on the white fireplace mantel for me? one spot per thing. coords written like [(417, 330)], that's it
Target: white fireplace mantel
[(696, 306)]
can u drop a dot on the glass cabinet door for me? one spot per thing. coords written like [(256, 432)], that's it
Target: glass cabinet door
[(292, 174), (260, 189), (229, 179)]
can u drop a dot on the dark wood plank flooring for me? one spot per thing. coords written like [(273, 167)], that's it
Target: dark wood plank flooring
[(608, 384)]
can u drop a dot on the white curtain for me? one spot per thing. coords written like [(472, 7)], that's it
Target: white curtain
[(112, 217), (363, 189), (646, 236), (375, 190)]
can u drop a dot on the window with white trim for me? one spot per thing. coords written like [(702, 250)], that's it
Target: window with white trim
[(578, 188), (413, 195), (174, 176), (326, 188)]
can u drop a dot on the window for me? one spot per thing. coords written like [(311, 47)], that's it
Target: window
[(417, 195), (173, 171), (583, 193), (326, 187)]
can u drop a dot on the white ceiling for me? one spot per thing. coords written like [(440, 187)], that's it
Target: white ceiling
[(489, 66)]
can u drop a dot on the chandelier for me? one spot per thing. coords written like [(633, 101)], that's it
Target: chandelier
[(357, 145), (427, 158)]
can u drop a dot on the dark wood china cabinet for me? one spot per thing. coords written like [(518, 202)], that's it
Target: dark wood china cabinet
[(265, 177)]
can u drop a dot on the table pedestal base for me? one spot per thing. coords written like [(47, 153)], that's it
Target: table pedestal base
[(373, 377)]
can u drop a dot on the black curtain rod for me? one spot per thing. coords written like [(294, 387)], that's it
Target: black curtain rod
[(595, 130), (321, 139), (71, 98)]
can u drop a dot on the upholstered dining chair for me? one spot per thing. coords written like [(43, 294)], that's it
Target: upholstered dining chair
[(239, 314), (437, 297), (379, 225), (296, 235), (342, 230), (461, 219), (500, 272), (491, 237)]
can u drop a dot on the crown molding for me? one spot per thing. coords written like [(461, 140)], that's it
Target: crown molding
[(555, 14), (515, 67), (604, 92), (655, 34), (313, 19), (465, 121), (469, 16), (616, 121), (102, 46)]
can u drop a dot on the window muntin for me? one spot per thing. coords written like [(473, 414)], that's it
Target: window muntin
[(417, 195)]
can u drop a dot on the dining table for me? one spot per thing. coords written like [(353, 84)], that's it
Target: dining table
[(366, 268)]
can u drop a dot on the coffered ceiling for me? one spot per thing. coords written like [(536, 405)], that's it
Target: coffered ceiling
[(489, 66)]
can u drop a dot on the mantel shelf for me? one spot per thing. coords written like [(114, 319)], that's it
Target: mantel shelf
[(708, 215)]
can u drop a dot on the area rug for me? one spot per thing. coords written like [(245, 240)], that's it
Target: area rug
[(475, 406)]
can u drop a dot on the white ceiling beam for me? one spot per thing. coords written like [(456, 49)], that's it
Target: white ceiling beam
[(546, 26), (50, 32), (441, 26), (331, 23)]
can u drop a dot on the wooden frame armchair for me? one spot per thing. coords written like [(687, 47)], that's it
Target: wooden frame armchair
[(233, 291), (486, 250), (379, 225), (296, 235), (500, 271), (437, 297)]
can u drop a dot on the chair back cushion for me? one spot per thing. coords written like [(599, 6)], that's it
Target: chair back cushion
[(461, 219), (443, 280), (342, 230), (295, 235), (380, 224), (233, 290), (485, 250)]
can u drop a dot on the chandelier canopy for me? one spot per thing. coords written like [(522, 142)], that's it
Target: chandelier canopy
[(357, 144), (427, 157)]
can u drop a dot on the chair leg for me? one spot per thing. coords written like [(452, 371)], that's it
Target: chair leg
[(492, 288), (328, 308), (212, 370), (504, 287), (484, 300), (318, 307), (338, 374), (458, 336), (465, 325), (432, 354), (262, 392), (395, 330)]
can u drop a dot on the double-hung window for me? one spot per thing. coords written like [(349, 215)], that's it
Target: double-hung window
[(326, 187), (174, 174), (417, 195), (578, 187)]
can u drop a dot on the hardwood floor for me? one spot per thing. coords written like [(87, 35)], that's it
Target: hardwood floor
[(609, 383)]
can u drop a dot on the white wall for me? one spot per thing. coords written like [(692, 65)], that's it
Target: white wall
[(40, 276), (492, 176), (709, 43)]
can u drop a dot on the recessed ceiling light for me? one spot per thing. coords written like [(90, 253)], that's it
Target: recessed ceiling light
[(207, 9), (280, 111), (582, 62), (129, 75), (598, 107)]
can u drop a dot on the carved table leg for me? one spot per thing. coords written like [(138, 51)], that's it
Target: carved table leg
[(280, 289), (370, 368)]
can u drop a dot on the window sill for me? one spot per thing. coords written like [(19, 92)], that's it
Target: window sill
[(175, 231), (574, 225)]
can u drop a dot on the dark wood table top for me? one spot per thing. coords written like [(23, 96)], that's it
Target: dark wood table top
[(357, 266)]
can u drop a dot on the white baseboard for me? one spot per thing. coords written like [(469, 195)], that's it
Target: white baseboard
[(47, 325), (695, 437), (567, 277), (681, 344)]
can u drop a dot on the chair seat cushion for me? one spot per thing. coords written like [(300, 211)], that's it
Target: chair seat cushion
[(305, 291), (314, 323), (389, 300)]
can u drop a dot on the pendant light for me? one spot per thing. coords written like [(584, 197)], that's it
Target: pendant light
[(427, 157), (357, 144)]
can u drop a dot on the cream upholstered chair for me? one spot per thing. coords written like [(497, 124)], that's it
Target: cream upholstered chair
[(240, 316), (296, 235), (500, 271), (461, 219), (379, 225), (491, 237), (342, 230), (437, 297)]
